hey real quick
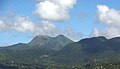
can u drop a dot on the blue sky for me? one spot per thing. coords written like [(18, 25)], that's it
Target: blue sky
[(82, 21)]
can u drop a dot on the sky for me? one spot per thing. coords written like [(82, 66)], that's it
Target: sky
[(22, 20)]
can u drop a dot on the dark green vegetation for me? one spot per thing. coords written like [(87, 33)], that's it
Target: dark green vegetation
[(45, 52)]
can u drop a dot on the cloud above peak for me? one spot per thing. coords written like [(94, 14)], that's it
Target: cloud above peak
[(54, 10), (47, 11), (23, 24), (110, 18)]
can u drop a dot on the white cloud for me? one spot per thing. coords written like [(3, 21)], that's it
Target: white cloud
[(111, 19), (95, 33), (75, 36), (108, 32), (23, 24), (47, 11), (47, 25), (55, 10), (47, 28), (18, 24), (2, 25)]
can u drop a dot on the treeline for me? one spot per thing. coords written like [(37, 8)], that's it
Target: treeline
[(95, 65)]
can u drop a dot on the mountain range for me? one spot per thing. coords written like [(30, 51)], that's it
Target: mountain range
[(60, 50), (42, 41)]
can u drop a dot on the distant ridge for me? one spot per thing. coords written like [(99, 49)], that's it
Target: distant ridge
[(62, 50), (42, 41), (88, 49)]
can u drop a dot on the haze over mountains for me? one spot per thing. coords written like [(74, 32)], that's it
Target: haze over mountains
[(62, 50)]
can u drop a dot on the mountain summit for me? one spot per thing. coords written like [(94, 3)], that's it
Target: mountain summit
[(42, 41), (55, 43), (39, 40)]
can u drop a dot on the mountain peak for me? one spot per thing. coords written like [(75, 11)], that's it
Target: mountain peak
[(63, 38), (41, 36), (93, 40), (100, 38), (39, 40), (60, 36), (55, 43), (115, 39)]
